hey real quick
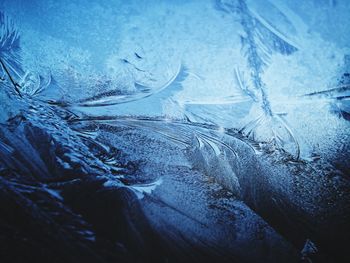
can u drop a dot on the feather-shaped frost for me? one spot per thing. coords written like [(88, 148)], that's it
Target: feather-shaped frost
[(10, 59), (259, 42)]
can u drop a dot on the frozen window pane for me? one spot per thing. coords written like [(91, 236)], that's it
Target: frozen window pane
[(176, 130)]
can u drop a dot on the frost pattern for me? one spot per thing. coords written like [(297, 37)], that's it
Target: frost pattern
[(164, 119)]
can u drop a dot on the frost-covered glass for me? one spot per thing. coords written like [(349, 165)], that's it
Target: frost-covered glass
[(174, 131)]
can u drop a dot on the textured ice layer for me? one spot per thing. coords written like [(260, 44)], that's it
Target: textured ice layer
[(245, 59), (190, 119)]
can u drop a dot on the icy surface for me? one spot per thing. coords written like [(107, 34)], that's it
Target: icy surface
[(249, 63), (196, 111)]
